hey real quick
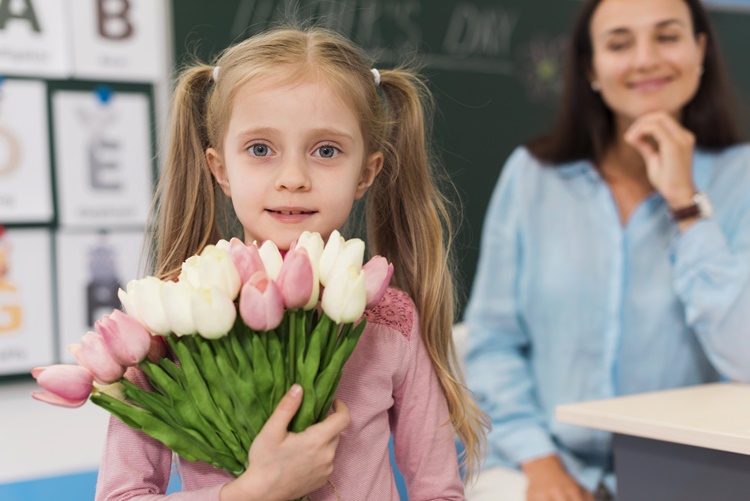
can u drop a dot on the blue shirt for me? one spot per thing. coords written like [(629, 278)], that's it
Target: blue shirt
[(570, 305)]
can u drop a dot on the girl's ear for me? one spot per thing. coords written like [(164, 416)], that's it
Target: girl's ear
[(217, 169), (372, 168)]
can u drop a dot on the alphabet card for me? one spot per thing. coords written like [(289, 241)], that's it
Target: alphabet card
[(91, 266), (34, 38), (103, 154), (25, 186), (26, 327), (115, 39)]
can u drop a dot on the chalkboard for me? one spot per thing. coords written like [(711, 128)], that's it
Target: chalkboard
[(493, 65)]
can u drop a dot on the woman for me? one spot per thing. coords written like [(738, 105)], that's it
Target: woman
[(604, 270)]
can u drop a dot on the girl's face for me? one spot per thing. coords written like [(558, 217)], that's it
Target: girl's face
[(646, 57), (294, 159)]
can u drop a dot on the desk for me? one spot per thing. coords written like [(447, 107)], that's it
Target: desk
[(689, 444)]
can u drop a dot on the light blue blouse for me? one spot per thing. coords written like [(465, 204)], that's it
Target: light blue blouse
[(568, 305)]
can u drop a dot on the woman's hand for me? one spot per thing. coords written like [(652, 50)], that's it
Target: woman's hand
[(548, 481), (667, 148), (285, 465)]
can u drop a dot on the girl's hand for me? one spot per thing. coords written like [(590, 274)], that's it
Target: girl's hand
[(285, 465), (667, 148), (548, 481)]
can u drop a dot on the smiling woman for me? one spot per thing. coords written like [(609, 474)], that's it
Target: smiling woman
[(604, 270)]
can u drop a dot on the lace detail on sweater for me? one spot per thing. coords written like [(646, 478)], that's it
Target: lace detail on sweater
[(395, 310)]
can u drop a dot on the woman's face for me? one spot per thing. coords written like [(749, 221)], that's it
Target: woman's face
[(645, 56)]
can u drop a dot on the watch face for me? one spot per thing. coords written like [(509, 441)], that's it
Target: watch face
[(704, 205)]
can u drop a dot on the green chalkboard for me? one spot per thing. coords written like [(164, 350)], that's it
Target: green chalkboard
[(493, 65)]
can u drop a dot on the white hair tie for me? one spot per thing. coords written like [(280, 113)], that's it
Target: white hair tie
[(376, 74), (215, 74)]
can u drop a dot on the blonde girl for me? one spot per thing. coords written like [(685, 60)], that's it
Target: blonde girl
[(282, 135)]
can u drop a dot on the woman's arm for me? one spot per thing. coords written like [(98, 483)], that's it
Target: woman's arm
[(497, 364)]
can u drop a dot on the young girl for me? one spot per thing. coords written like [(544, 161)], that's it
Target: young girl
[(292, 127)]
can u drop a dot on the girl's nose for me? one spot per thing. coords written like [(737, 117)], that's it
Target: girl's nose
[(293, 176)]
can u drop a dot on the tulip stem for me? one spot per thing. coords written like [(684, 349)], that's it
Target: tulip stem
[(292, 352)]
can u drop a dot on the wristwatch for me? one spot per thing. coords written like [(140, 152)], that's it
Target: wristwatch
[(701, 207)]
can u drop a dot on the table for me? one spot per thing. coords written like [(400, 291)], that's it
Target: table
[(688, 444)]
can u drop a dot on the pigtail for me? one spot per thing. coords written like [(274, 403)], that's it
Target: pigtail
[(409, 223), (185, 209)]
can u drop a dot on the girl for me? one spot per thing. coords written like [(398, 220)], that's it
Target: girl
[(292, 127)]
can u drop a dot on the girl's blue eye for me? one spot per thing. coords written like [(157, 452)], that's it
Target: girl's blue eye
[(259, 150), (327, 151)]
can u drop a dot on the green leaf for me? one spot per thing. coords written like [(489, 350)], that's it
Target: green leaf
[(182, 443), (262, 373)]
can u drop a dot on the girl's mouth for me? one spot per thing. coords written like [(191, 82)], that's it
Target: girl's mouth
[(292, 215)]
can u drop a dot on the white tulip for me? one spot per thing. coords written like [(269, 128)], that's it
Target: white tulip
[(189, 273), (313, 244), (177, 301), (271, 258), (127, 302), (216, 269), (143, 301), (345, 296), (339, 254), (223, 245), (213, 312)]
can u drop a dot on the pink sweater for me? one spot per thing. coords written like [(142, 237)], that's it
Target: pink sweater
[(389, 386)]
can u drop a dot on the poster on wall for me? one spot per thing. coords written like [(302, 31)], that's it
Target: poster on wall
[(103, 158), (26, 325), (91, 266), (34, 38), (25, 186), (115, 39)]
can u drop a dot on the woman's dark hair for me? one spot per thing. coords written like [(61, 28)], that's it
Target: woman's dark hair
[(585, 126)]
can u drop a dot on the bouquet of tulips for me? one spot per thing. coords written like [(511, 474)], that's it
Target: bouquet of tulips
[(221, 345)]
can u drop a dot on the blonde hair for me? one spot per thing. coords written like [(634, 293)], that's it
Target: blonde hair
[(407, 217)]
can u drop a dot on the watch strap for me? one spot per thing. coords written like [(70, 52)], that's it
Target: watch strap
[(688, 212)]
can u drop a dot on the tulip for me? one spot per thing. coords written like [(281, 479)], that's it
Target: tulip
[(313, 244), (339, 254), (143, 302), (213, 312), (246, 259), (216, 269), (378, 274), (94, 355), (125, 337), (114, 390), (261, 303), (296, 279), (64, 385), (272, 259), (177, 300), (158, 349), (344, 298), (224, 245), (189, 272)]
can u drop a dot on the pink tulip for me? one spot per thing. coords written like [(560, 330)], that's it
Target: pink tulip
[(261, 303), (94, 355), (65, 385), (158, 349), (296, 279), (127, 340), (378, 273), (245, 258)]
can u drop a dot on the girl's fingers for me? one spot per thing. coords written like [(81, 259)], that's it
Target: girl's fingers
[(335, 423)]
